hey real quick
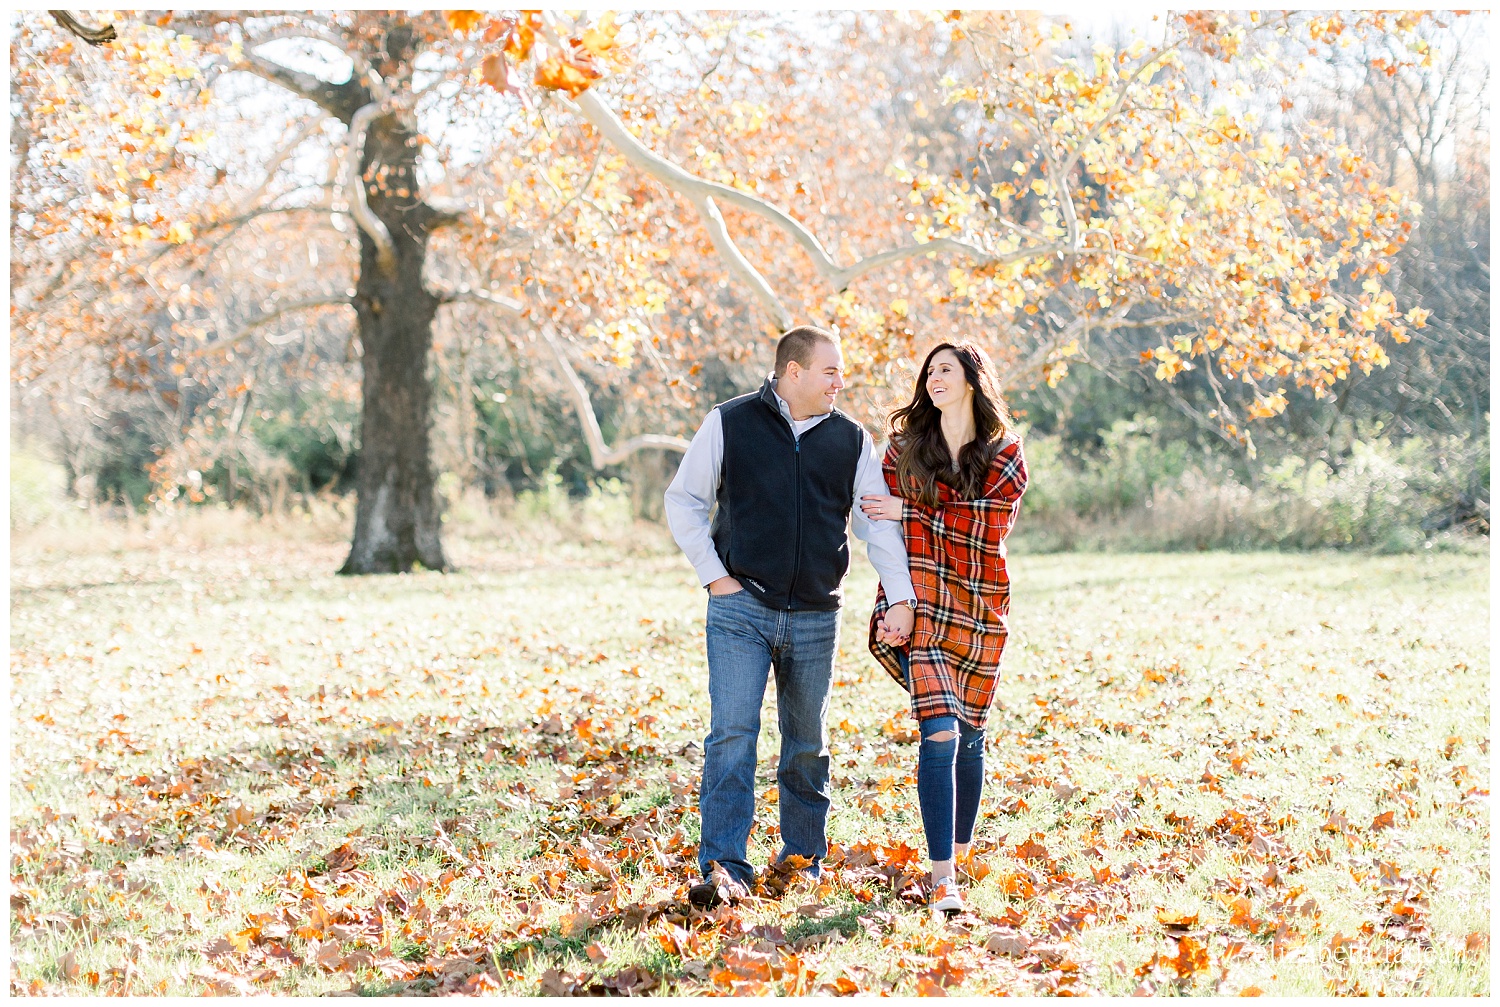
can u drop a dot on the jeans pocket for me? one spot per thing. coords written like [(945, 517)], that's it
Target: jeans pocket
[(722, 604)]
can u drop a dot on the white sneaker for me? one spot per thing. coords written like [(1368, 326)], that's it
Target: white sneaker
[(944, 897)]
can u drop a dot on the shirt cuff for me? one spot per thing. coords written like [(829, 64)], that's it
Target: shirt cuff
[(711, 571)]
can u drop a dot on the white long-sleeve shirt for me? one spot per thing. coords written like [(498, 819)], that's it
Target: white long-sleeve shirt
[(690, 501)]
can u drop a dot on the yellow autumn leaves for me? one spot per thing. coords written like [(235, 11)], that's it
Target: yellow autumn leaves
[(1273, 244), (1128, 198)]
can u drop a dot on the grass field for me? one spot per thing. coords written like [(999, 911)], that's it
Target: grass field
[(232, 771)]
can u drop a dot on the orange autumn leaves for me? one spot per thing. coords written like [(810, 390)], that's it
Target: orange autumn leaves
[(1263, 250), (1255, 254), (1105, 892), (571, 68), (1225, 247)]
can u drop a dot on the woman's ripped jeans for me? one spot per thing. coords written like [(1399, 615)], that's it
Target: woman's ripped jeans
[(950, 777)]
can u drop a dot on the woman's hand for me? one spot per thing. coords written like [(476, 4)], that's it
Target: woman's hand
[(894, 628), (881, 508)]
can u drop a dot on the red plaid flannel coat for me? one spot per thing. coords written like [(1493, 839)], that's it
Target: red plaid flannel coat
[(957, 556)]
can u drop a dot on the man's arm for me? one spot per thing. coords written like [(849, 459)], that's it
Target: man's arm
[(886, 546), (690, 499)]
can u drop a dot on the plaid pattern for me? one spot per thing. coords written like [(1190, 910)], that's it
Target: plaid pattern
[(957, 556)]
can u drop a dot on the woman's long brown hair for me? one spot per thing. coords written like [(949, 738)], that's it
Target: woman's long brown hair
[(917, 431)]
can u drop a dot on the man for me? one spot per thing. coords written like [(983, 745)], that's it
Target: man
[(783, 468)]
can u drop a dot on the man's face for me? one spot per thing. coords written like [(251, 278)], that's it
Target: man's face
[(810, 390)]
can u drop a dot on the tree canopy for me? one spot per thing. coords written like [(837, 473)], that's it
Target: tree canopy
[(201, 200)]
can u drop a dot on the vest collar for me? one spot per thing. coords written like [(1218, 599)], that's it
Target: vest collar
[(768, 394)]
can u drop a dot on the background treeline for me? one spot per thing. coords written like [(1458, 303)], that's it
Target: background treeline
[(1399, 459), (1395, 460)]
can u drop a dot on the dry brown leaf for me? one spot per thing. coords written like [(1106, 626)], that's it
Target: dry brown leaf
[(1012, 943), (1031, 850), (900, 732), (496, 29), (573, 924), (495, 72), (556, 983), (973, 870), (1176, 921), (1284, 940), (929, 987), (747, 963), (632, 980), (570, 75), (343, 858), (843, 986)]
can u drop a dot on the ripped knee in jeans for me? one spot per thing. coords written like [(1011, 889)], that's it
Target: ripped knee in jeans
[(939, 731)]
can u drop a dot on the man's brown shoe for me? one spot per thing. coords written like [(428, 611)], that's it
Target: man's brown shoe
[(708, 894)]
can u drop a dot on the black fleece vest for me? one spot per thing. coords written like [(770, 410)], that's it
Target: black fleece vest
[(781, 524)]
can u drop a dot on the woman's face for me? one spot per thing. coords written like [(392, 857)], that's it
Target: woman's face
[(946, 382)]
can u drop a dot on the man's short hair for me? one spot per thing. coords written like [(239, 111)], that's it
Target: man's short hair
[(797, 344)]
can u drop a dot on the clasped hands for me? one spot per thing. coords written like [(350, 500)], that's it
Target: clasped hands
[(894, 628)]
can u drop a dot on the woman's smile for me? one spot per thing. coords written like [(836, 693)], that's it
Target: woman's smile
[(940, 391)]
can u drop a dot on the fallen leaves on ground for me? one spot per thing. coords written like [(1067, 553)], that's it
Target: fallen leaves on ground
[(401, 796)]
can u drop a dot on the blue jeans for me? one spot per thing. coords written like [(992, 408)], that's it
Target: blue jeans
[(746, 640), (950, 780)]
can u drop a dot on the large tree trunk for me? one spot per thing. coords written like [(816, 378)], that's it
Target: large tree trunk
[(397, 524)]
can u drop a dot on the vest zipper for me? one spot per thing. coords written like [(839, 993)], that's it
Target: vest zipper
[(791, 592)]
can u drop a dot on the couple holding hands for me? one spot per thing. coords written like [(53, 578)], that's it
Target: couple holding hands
[(762, 505)]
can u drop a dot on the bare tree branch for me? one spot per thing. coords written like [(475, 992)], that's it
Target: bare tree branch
[(718, 233), (359, 207), (313, 125), (306, 30), (498, 300), (340, 100), (600, 454), (1146, 323), (698, 192), (593, 109), (1180, 402), (1014, 377), (93, 36), (270, 316)]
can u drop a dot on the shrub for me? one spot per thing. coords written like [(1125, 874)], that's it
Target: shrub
[(1138, 493)]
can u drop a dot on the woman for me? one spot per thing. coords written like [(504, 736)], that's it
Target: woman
[(956, 469)]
